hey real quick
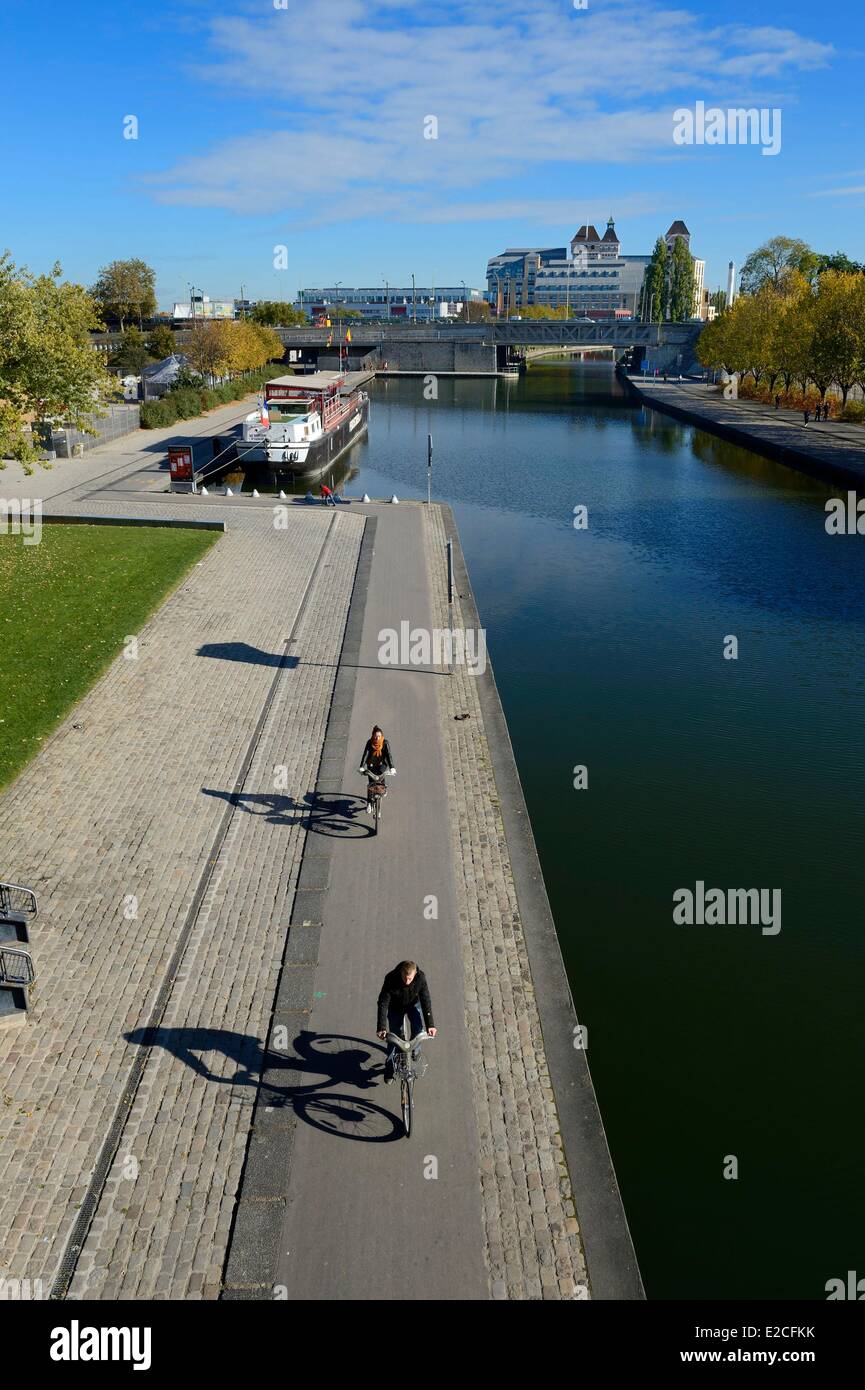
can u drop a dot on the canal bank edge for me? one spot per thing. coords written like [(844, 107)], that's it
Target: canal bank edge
[(847, 470), (611, 1262)]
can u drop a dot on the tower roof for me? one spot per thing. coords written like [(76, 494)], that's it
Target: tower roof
[(610, 233), (678, 228), (587, 233)]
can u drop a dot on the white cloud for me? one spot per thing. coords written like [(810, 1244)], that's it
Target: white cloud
[(839, 192), (515, 90)]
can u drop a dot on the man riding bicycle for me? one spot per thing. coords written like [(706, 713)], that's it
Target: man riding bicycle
[(404, 991), (375, 761)]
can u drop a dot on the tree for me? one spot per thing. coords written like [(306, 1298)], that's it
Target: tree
[(133, 352), (803, 332), (757, 322), (721, 343), (719, 299), (795, 332), (655, 284), (477, 311), (161, 342), (544, 311), (772, 262), (681, 282), (223, 347), (208, 350), (839, 262), (125, 290), (251, 346), (276, 313), (838, 345), (48, 367)]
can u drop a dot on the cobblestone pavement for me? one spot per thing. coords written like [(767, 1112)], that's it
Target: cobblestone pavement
[(533, 1246), (139, 458), (113, 824)]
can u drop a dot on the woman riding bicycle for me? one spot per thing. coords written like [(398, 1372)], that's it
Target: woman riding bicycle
[(375, 761)]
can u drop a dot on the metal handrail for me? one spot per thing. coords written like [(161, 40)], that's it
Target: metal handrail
[(27, 909), (21, 978)]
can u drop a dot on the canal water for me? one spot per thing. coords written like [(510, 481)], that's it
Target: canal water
[(715, 1050)]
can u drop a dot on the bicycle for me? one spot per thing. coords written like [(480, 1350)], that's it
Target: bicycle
[(375, 790), (407, 1068)]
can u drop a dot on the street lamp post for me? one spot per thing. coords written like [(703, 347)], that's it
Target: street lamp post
[(413, 302), (338, 322), (465, 301), (386, 298)]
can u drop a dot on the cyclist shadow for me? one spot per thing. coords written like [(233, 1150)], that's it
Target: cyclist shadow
[(338, 814), (340, 1061), (335, 814)]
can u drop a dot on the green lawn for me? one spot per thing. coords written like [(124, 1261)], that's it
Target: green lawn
[(65, 607)]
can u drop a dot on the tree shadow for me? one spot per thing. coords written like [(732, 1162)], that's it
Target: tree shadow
[(242, 651), (312, 1064)]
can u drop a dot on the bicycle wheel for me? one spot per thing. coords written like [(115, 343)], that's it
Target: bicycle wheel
[(376, 802)]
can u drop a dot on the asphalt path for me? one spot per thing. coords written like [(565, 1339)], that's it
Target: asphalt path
[(369, 1213)]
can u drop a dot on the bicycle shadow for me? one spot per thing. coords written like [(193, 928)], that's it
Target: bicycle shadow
[(332, 814), (342, 1115), (316, 1068)]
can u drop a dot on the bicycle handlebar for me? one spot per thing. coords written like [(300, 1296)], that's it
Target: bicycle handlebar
[(412, 1042)]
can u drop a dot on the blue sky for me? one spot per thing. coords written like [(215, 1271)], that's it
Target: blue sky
[(301, 123)]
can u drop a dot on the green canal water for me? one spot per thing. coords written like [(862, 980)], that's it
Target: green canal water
[(705, 1042)]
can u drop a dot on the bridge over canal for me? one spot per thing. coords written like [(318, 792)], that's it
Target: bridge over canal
[(484, 348), (474, 349)]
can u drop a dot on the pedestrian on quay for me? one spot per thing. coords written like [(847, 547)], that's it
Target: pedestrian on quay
[(807, 415), (777, 402)]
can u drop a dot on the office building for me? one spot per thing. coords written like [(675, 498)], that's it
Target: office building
[(421, 304)]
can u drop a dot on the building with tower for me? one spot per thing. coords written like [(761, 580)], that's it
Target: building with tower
[(590, 277)]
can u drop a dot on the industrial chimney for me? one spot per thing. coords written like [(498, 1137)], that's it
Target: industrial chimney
[(731, 283)]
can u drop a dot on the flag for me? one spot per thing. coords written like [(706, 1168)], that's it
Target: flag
[(329, 340), (263, 413), (348, 335)]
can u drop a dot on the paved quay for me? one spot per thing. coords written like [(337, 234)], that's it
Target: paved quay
[(831, 450), (480, 1202), (212, 785)]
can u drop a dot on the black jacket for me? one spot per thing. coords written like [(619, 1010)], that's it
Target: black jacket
[(396, 994), (369, 760)]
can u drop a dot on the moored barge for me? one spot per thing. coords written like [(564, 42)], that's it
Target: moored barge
[(305, 423)]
